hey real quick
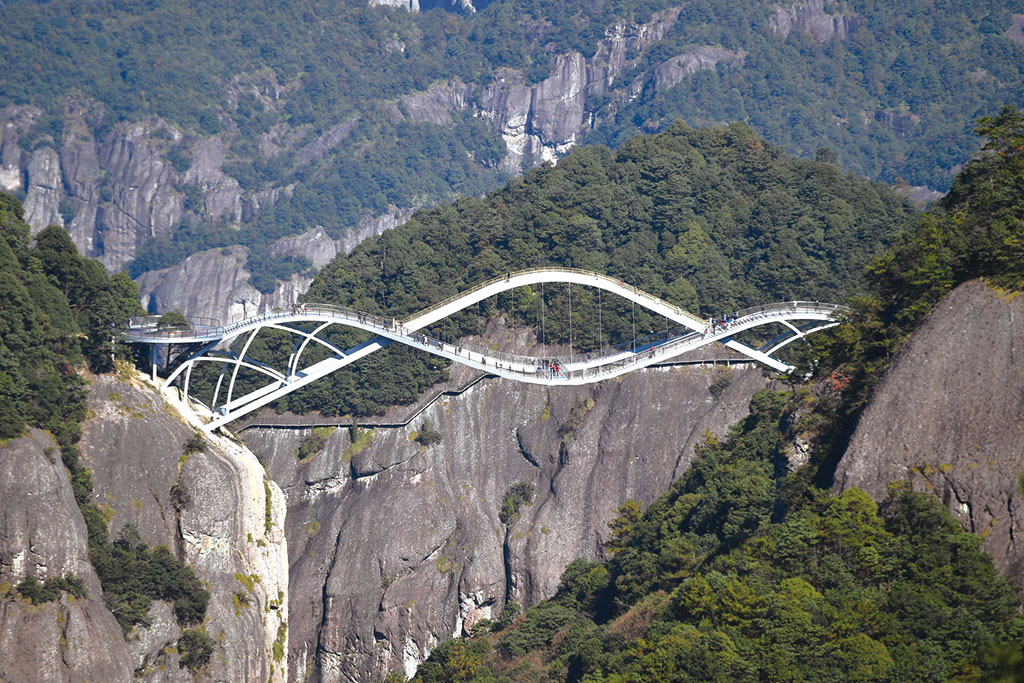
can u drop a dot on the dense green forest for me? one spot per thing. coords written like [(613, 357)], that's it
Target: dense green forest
[(57, 313), (934, 66), (741, 572), (709, 219)]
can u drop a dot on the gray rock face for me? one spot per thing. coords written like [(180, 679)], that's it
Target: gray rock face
[(675, 70), (215, 283), (45, 189), (918, 195), (143, 200), (222, 195), (410, 5), (82, 174), (541, 122), (811, 17), (1015, 32), (211, 284), (947, 418), (396, 547), (42, 534), (13, 159), (134, 447), (318, 149)]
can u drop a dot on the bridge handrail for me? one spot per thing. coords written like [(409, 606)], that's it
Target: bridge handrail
[(528, 271)]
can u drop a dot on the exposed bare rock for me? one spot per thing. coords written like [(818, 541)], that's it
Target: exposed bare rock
[(543, 121), (211, 284), (226, 529), (316, 150), (222, 195), (437, 104), (900, 122), (410, 5), (257, 200), (81, 164), (947, 418), (143, 200), (811, 17), (396, 547), (45, 189), (317, 247), (42, 534), (918, 195), (1016, 30), (14, 121), (694, 59)]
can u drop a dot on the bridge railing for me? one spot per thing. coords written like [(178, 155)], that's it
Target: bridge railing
[(576, 271)]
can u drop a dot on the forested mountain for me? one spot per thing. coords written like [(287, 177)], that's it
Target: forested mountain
[(346, 110), (709, 219), (744, 571)]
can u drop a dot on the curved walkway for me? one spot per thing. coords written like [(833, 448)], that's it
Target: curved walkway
[(309, 320)]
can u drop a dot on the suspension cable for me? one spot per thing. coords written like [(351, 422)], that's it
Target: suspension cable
[(632, 317), (570, 319), (543, 332), (600, 324)]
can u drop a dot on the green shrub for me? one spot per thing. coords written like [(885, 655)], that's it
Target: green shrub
[(37, 592), (194, 649), (519, 494), (426, 436)]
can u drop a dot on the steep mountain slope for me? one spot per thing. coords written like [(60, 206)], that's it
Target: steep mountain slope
[(396, 547), (947, 418), (148, 143), (747, 569)]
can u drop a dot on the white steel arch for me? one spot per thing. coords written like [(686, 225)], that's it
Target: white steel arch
[(574, 370)]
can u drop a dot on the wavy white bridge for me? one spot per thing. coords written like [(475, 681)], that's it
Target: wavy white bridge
[(308, 321)]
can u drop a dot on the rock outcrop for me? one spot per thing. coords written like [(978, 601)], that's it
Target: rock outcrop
[(947, 418), (222, 196), (14, 122), (45, 190), (143, 200), (226, 523), (43, 535), (216, 283), (397, 547), (811, 17), (541, 122), (223, 526)]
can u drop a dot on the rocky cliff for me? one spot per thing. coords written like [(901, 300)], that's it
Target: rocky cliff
[(948, 418), (541, 122), (228, 526), (397, 546), (116, 184), (216, 283), (42, 534)]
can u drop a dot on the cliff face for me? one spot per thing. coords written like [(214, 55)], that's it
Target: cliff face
[(396, 547), (812, 18), (42, 534), (132, 442), (216, 283), (542, 122), (115, 185), (226, 529), (947, 418)]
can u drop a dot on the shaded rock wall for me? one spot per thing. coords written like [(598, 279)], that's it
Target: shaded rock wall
[(396, 547), (216, 283), (948, 417), (226, 529), (42, 534), (811, 17)]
